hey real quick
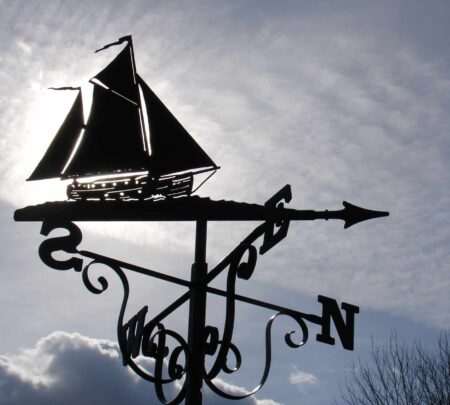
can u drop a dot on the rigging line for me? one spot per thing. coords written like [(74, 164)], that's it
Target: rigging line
[(97, 82), (126, 98), (204, 181)]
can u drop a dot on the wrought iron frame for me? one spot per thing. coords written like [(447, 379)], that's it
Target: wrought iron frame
[(139, 337)]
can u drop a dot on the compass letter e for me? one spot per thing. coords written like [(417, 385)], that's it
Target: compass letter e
[(66, 243), (274, 207)]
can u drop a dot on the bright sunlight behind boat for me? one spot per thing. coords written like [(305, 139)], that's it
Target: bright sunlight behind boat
[(43, 123)]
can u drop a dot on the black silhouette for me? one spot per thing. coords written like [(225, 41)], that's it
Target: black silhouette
[(114, 142), (122, 172)]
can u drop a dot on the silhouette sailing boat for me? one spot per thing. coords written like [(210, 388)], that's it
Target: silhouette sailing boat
[(114, 148)]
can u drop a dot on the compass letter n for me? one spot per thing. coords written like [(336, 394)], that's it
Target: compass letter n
[(345, 329)]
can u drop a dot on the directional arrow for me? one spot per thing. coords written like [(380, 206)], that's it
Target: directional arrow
[(184, 209), (351, 214)]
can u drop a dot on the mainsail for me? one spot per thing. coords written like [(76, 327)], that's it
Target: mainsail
[(173, 149), (114, 139)]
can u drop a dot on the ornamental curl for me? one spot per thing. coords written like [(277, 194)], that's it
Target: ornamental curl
[(135, 337), (268, 355)]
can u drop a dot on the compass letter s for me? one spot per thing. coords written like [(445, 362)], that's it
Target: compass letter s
[(66, 243)]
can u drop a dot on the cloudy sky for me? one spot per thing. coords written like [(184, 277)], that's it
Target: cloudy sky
[(343, 100)]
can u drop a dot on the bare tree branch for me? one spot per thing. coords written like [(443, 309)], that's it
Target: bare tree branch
[(401, 375)]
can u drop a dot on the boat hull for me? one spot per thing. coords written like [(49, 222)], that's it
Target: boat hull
[(136, 187)]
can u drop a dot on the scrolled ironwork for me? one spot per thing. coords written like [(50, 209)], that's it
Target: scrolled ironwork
[(268, 356), (144, 339), (237, 356), (175, 370), (183, 363), (238, 267), (242, 264)]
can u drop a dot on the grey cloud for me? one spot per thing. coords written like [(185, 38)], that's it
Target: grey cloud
[(67, 369), (70, 369)]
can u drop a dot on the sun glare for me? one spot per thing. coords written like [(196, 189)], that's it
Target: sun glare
[(43, 121)]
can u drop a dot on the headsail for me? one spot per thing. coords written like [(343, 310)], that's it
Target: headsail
[(59, 151), (173, 149)]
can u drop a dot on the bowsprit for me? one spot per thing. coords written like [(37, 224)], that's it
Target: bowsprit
[(137, 175)]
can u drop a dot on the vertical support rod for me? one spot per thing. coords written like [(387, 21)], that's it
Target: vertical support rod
[(197, 314)]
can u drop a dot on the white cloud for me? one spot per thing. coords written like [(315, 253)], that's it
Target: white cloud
[(303, 380), (23, 46), (71, 369), (266, 402), (236, 391)]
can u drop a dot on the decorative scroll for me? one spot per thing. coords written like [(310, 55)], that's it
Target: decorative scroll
[(135, 338), (223, 347), (150, 338), (268, 357)]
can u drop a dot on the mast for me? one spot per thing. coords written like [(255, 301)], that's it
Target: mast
[(138, 97), (113, 140)]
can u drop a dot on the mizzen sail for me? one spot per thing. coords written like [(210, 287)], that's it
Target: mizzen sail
[(60, 150)]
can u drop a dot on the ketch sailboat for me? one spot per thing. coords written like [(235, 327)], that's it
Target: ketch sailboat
[(131, 146)]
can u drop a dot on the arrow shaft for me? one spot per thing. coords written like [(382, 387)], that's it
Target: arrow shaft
[(351, 214), (311, 215), (182, 209)]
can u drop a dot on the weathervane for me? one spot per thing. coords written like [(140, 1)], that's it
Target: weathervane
[(133, 161)]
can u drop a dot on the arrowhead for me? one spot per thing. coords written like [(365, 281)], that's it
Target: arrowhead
[(353, 214)]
